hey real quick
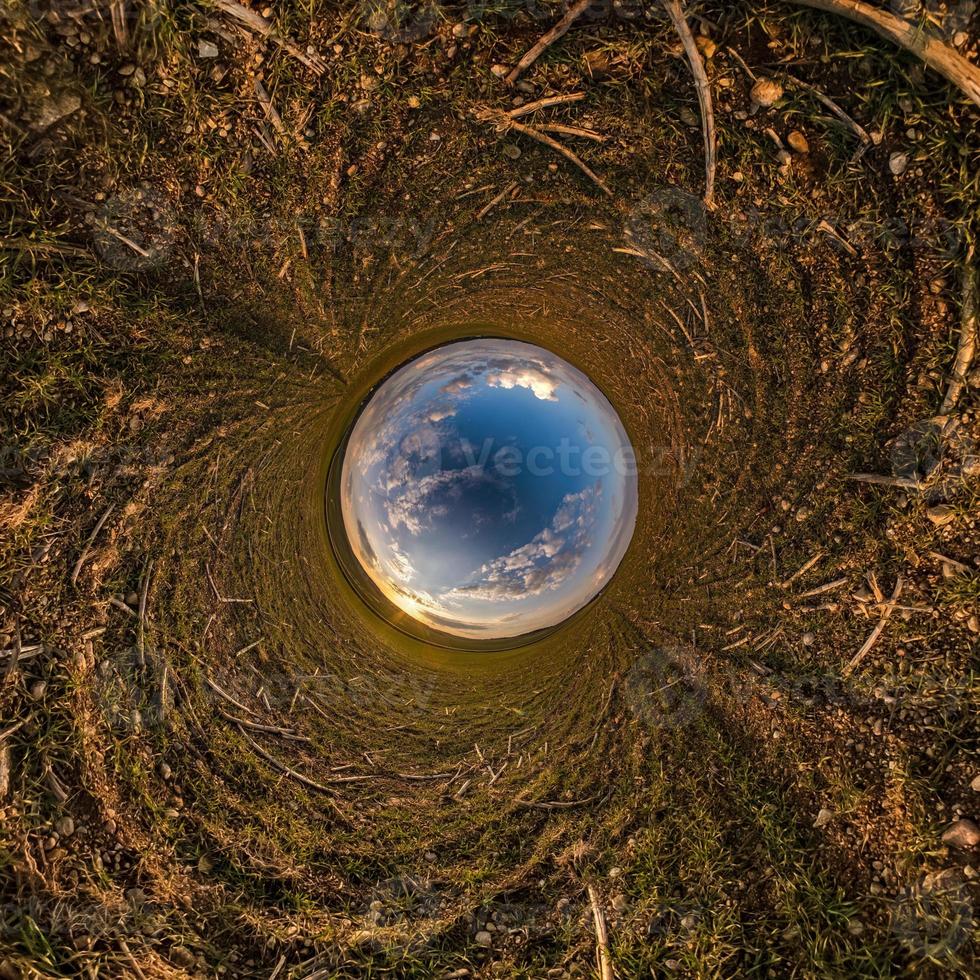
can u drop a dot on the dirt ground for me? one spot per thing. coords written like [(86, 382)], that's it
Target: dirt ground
[(755, 755)]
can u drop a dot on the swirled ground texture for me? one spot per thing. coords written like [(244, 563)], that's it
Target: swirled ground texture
[(216, 759)]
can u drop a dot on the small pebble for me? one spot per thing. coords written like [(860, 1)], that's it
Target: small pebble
[(766, 92), (963, 834), (484, 938), (798, 142), (898, 163), (823, 818), (706, 46), (941, 514)]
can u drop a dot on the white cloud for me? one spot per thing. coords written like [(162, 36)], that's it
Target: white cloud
[(550, 558), (536, 381)]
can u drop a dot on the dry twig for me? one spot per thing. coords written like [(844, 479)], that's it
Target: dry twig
[(287, 733), (572, 131), (505, 122), (281, 766), (855, 127), (523, 110), (536, 134), (257, 23), (270, 110), (968, 335), (936, 54), (554, 804), (601, 937), (786, 583), (119, 29), (490, 205), (886, 481), (141, 627), (221, 692), (88, 544), (679, 21), (826, 587), (547, 39), (886, 610)]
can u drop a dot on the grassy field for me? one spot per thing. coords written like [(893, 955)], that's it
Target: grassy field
[(758, 748)]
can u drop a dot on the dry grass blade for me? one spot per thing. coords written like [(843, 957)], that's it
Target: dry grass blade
[(119, 28), (547, 39), (601, 937), (937, 55), (270, 110), (967, 347), (88, 544), (679, 21)]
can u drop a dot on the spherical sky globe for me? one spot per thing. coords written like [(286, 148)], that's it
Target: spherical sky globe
[(489, 489)]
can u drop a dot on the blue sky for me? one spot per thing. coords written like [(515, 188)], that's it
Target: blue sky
[(451, 517)]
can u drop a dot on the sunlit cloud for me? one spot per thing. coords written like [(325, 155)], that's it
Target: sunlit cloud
[(540, 384)]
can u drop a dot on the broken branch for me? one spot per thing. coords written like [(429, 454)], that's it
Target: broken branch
[(679, 20), (886, 611), (546, 40), (536, 134), (601, 937), (257, 23), (968, 335), (937, 55), (88, 543)]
